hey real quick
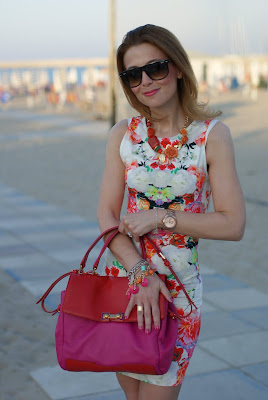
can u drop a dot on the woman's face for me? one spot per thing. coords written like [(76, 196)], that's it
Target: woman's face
[(153, 93)]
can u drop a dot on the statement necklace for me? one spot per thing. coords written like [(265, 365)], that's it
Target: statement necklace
[(171, 151)]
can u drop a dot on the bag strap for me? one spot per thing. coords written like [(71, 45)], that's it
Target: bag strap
[(43, 298), (168, 265)]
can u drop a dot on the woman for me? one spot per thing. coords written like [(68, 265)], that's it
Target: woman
[(171, 158)]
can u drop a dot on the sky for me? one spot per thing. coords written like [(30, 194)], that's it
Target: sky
[(56, 29)]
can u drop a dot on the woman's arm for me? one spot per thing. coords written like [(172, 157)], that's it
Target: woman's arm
[(112, 195), (110, 203), (227, 222)]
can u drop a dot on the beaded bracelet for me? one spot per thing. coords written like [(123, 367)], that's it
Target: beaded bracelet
[(136, 267), (141, 279)]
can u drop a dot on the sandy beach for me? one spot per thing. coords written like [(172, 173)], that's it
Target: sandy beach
[(59, 159)]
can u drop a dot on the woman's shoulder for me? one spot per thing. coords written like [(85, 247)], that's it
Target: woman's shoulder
[(117, 132), (119, 129), (219, 142), (219, 133), (128, 126)]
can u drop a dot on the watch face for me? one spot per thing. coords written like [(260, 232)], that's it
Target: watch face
[(169, 222)]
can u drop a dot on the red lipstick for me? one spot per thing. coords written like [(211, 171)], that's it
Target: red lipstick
[(151, 92)]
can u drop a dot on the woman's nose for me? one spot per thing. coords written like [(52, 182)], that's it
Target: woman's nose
[(145, 79)]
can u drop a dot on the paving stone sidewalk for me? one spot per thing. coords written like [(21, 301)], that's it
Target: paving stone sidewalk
[(37, 243)]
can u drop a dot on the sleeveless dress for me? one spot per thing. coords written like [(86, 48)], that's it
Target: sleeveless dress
[(181, 184)]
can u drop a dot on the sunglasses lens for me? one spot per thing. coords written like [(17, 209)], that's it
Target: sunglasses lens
[(133, 77), (157, 70)]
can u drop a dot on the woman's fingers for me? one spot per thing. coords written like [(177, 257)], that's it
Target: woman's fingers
[(140, 312), (147, 318), (164, 290), (156, 315), (144, 314), (148, 305), (125, 229), (122, 227), (130, 306), (137, 224), (147, 314)]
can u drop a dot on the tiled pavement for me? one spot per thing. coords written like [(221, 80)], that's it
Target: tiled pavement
[(231, 360)]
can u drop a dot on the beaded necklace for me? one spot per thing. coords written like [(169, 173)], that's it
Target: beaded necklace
[(171, 151)]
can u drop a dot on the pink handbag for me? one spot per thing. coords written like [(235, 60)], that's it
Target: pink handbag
[(91, 332)]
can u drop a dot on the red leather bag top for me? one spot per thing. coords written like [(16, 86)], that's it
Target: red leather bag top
[(93, 296)]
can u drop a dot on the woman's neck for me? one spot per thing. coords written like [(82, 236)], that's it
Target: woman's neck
[(168, 123)]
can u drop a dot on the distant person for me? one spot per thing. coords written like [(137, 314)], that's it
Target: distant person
[(171, 157), (5, 97)]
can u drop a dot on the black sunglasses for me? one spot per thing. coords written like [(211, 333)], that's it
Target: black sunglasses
[(156, 70)]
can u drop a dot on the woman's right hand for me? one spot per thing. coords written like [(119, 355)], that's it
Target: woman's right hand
[(148, 298)]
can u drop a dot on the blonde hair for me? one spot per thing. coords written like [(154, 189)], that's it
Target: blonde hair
[(170, 45)]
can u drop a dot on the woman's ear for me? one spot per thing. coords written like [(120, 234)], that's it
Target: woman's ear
[(179, 75)]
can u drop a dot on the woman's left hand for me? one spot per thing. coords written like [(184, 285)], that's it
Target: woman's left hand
[(137, 224)]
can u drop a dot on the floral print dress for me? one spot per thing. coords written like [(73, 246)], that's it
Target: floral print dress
[(179, 183)]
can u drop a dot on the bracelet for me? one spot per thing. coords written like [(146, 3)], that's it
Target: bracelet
[(141, 279), (136, 267)]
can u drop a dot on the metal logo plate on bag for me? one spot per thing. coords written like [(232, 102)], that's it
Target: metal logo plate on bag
[(112, 317)]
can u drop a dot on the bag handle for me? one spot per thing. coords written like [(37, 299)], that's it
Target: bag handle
[(43, 298), (106, 244), (82, 266)]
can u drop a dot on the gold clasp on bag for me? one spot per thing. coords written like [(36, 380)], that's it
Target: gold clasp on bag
[(81, 271), (112, 317)]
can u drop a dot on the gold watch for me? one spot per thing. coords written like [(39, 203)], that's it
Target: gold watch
[(170, 219)]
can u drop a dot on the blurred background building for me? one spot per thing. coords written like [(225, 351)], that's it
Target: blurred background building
[(225, 41), (59, 84), (84, 83)]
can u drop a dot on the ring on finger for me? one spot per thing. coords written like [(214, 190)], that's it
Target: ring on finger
[(140, 308), (129, 234)]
